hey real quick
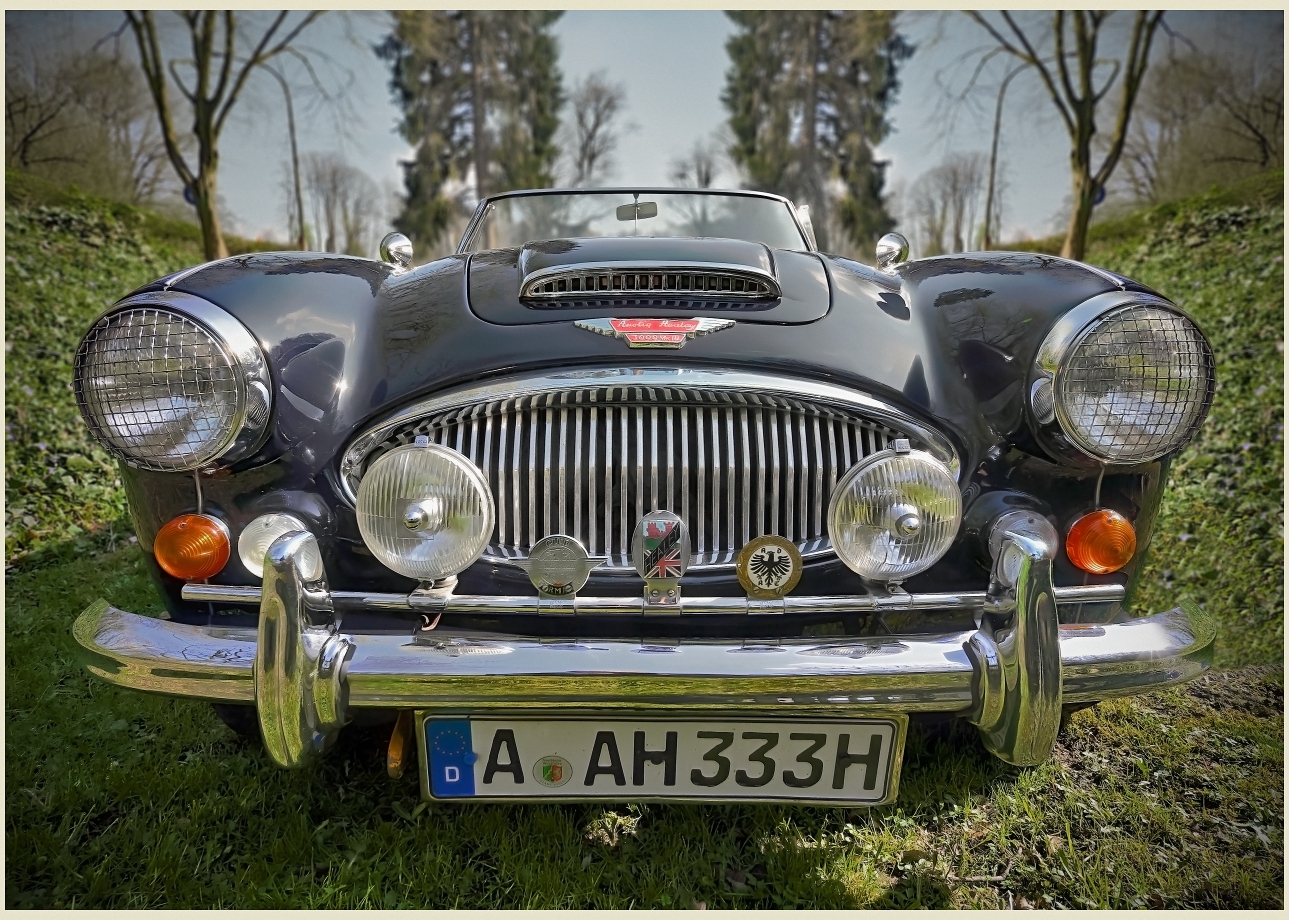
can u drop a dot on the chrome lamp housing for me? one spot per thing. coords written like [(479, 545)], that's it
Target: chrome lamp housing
[(1122, 378), (171, 382)]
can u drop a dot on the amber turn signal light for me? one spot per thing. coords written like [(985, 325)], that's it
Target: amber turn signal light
[(192, 546), (1101, 542)]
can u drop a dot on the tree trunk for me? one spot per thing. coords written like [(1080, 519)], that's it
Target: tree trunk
[(212, 235), (477, 112), (1084, 189)]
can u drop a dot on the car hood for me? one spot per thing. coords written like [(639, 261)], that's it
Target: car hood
[(495, 278)]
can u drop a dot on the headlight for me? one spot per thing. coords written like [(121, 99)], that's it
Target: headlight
[(1127, 381), (172, 389), (425, 511), (894, 514)]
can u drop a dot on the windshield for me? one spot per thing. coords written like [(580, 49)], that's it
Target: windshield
[(514, 221)]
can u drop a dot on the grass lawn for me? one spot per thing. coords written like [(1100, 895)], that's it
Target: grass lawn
[(117, 799)]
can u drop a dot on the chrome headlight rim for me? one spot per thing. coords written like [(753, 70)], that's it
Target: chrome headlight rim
[(859, 469), (1044, 402), (474, 476), (251, 378)]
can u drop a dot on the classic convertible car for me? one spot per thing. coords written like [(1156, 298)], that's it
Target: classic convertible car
[(640, 496)]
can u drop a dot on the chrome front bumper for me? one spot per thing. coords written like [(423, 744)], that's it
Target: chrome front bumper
[(1010, 676)]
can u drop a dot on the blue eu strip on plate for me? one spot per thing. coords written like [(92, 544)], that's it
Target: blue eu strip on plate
[(452, 757)]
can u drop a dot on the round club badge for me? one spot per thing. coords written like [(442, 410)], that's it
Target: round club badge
[(553, 770), (769, 567), (558, 566)]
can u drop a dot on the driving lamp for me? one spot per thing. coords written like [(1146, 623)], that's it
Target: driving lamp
[(425, 511), (894, 514)]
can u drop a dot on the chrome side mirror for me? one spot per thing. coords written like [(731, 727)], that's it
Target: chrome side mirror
[(396, 249), (892, 249), (803, 217)]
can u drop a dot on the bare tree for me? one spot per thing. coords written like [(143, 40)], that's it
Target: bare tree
[(84, 118), (1203, 118), (595, 132), (941, 206), (217, 74), (700, 167), (1076, 95), (345, 203), (297, 200)]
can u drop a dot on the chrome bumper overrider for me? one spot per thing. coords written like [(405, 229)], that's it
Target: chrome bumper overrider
[(1010, 676)]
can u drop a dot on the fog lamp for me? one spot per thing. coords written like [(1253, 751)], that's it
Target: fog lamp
[(254, 542), (425, 511), (1101, 542), (894, 514), (192, 547)]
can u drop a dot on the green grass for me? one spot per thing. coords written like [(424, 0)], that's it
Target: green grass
[(117, 799)]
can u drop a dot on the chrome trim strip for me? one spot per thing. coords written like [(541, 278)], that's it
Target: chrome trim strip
[(694, 606)]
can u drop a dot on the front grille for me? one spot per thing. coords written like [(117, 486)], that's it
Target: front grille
[(590, 461), (703, 283)]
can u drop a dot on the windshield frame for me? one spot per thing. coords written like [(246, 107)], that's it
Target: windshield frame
[(477, 218)]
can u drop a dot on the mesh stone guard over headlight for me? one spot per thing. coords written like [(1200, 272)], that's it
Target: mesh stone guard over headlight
[(1128, 377), (168, 381)]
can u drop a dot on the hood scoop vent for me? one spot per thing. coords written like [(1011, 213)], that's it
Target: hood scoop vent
[(551, 281), (631, 284)]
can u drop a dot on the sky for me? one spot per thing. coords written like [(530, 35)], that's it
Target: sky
[(672, 66)]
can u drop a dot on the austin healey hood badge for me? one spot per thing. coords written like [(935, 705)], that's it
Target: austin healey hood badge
[(558, 566), (769, 567), (654, 333), (660, 555)]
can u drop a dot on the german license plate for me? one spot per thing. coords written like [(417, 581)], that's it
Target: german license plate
[(853, 762)]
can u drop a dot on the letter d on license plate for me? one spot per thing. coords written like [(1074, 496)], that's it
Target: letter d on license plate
[(854, 762)]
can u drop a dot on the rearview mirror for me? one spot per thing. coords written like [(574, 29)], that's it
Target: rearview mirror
[(638, 211)]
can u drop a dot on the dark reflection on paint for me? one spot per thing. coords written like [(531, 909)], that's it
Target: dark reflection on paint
[(894, 305), (915, 388), (961, 295)]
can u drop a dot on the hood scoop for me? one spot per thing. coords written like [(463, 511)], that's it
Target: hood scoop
[(731, 274), (560, 280)]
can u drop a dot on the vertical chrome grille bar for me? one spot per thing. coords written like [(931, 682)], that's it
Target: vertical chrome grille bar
[(502, 477), (715, 516), (761, 471), (789, 480), (747, 477), (774, 473), (640, 464), (624, 535), (563, 466), (820, 500), (608, 479), (670, 502), (803, 478), (699, 527), (487, 466), (684, 462), (548, 493), (592, 478), (653, 457), (730, 544), (578, 412), (533, 415)]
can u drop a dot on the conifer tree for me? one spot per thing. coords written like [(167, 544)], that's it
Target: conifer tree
[(480, 93), (807, 92)]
